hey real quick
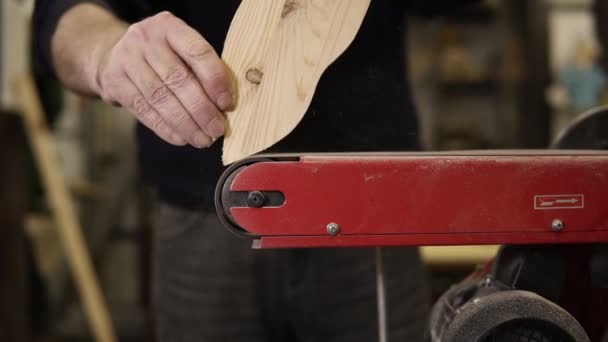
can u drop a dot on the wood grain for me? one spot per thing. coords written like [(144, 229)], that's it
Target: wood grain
[(277, 52)]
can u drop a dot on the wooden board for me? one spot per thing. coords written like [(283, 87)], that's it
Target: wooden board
[(277, 52), (457, 256), (64, 212)]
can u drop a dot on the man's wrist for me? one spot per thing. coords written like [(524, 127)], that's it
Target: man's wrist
[(105, 41), (84, 35)]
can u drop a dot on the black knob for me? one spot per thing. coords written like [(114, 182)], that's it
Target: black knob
[(256, 199)]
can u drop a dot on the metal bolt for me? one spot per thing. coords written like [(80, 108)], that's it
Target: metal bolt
[(558, 225), (333, 229), (256, 199)]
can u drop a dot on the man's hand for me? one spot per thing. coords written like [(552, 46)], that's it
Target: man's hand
[(161, 70)]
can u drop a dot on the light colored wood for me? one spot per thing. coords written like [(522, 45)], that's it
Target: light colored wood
[(446, 256), (64, 212), (277, 51)]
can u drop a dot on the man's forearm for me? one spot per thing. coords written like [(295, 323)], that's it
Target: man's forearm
[(84, 34)]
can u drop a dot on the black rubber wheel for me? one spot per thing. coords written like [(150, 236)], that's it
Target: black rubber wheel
[(527, 331)]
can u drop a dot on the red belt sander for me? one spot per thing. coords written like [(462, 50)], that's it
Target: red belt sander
[(353, 200), (548, 207)]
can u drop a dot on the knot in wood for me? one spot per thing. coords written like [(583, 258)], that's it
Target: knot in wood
[(254, 76), (290, 6)]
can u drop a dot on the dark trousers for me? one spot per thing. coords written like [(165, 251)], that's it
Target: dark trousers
[(209, 285)]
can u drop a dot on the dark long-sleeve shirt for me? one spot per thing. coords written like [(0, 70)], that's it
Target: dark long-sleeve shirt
[(362, 102)]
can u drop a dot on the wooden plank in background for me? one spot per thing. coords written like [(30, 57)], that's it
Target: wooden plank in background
[(455, 256), (64, 212)]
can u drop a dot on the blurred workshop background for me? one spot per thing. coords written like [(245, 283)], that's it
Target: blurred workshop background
[(503, 74)]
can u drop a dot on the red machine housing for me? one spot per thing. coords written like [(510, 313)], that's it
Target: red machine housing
[(352, 200)]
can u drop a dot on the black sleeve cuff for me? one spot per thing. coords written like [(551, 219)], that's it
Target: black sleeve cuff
[(47, 14)]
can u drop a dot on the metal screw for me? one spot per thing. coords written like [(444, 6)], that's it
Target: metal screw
[(558, 225), (333, 229), (256, 199)]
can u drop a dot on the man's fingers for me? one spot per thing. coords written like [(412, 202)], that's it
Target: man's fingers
[(186, 88), (162, 99), (131, 99), (177, 81), (204, 62)]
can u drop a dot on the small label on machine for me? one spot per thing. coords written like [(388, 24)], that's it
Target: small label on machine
[(547, 202)]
